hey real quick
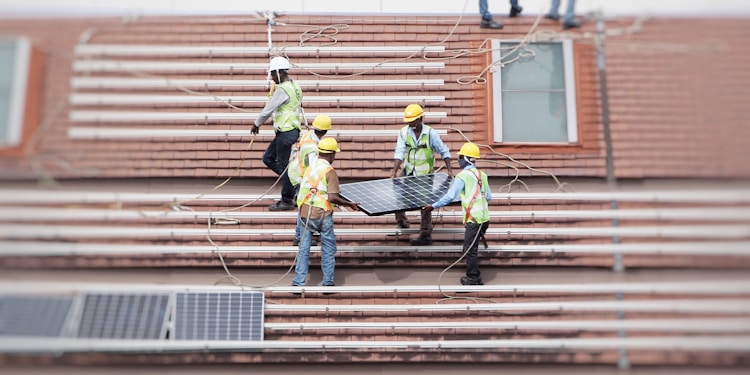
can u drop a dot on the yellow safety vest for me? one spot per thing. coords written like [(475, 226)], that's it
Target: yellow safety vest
[(474, 196), (300, 160), (286, 116), (314, 187), (419, 158)]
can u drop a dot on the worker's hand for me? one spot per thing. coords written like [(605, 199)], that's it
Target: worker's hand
[(354, 206), (394, 174), (427, 208), (255, 129)]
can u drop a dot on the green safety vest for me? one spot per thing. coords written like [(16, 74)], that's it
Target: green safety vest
[(306, 147), (286, 116), (474, 196), (419, 158), (314, 187)]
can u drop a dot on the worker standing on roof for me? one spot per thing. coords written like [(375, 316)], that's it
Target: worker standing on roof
[(285, 106), (319, 191), (474, 188), (415, 148), (305, 155)]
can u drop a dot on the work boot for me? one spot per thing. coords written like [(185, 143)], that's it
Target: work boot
[(421, 241), (282, 206), (402, 224), (330, 292), (553, 17), (465, 280), (514, 12), (571, 24), (490, 24)]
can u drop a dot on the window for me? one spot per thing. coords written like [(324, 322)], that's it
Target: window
[(15, 55), (534, 93)]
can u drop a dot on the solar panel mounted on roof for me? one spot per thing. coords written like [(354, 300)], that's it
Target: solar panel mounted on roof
[(218, 316), (124, 316), (379, 197), (38, 316)]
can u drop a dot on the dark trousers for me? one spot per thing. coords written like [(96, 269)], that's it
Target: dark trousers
[(472, 236), (276, 158), (425, 226)]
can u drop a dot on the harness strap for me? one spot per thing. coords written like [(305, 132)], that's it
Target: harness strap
[(478, 176), (314, 190)]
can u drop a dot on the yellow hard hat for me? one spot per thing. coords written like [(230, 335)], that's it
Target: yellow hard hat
[(328, 145), (469, 149), (413, 112), (322, 122)]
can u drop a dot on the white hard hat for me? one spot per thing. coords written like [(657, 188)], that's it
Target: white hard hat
[(278, 63)]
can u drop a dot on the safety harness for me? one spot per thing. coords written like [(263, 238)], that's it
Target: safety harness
[(477, 190), (314, 193)]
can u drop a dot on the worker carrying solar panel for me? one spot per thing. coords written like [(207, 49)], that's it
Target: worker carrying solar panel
[(473, 187), (318, 192), (304, 154), (415, 148)]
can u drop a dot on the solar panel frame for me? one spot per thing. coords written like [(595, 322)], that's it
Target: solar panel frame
[(34, 316), (123, 316), (408, 193), (218, 316)]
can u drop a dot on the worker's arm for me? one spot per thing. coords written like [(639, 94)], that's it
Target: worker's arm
[(450, 195), (396, 168), (335, 198), (279, 97)]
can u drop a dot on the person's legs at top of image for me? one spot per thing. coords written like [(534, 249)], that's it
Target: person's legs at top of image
[(569, 20), (487, 21), (515, 9)]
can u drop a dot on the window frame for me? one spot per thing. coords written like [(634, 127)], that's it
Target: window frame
[(11, 137), (570, 94)]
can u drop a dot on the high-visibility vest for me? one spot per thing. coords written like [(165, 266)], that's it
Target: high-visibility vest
[(314, 187), (474, 195), (419, 159), (302, 156), (286, 116)]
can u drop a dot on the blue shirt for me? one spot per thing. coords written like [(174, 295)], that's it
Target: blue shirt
[(436, 144), (454, 190)]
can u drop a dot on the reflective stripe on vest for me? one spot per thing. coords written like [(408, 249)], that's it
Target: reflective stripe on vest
[(474, 196), (314, 188), (419, 159), (306, 146), (286, 116)]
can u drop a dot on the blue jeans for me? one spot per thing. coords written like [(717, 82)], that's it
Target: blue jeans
[(276, 158), (327, 245), (569, 12), (484, 10)]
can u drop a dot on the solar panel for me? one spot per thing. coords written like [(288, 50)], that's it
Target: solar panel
[(379, 197), (218, 316), (124, 316), (39, 316)]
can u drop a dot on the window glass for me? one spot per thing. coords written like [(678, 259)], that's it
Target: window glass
[(14, 59), (534, 93)]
